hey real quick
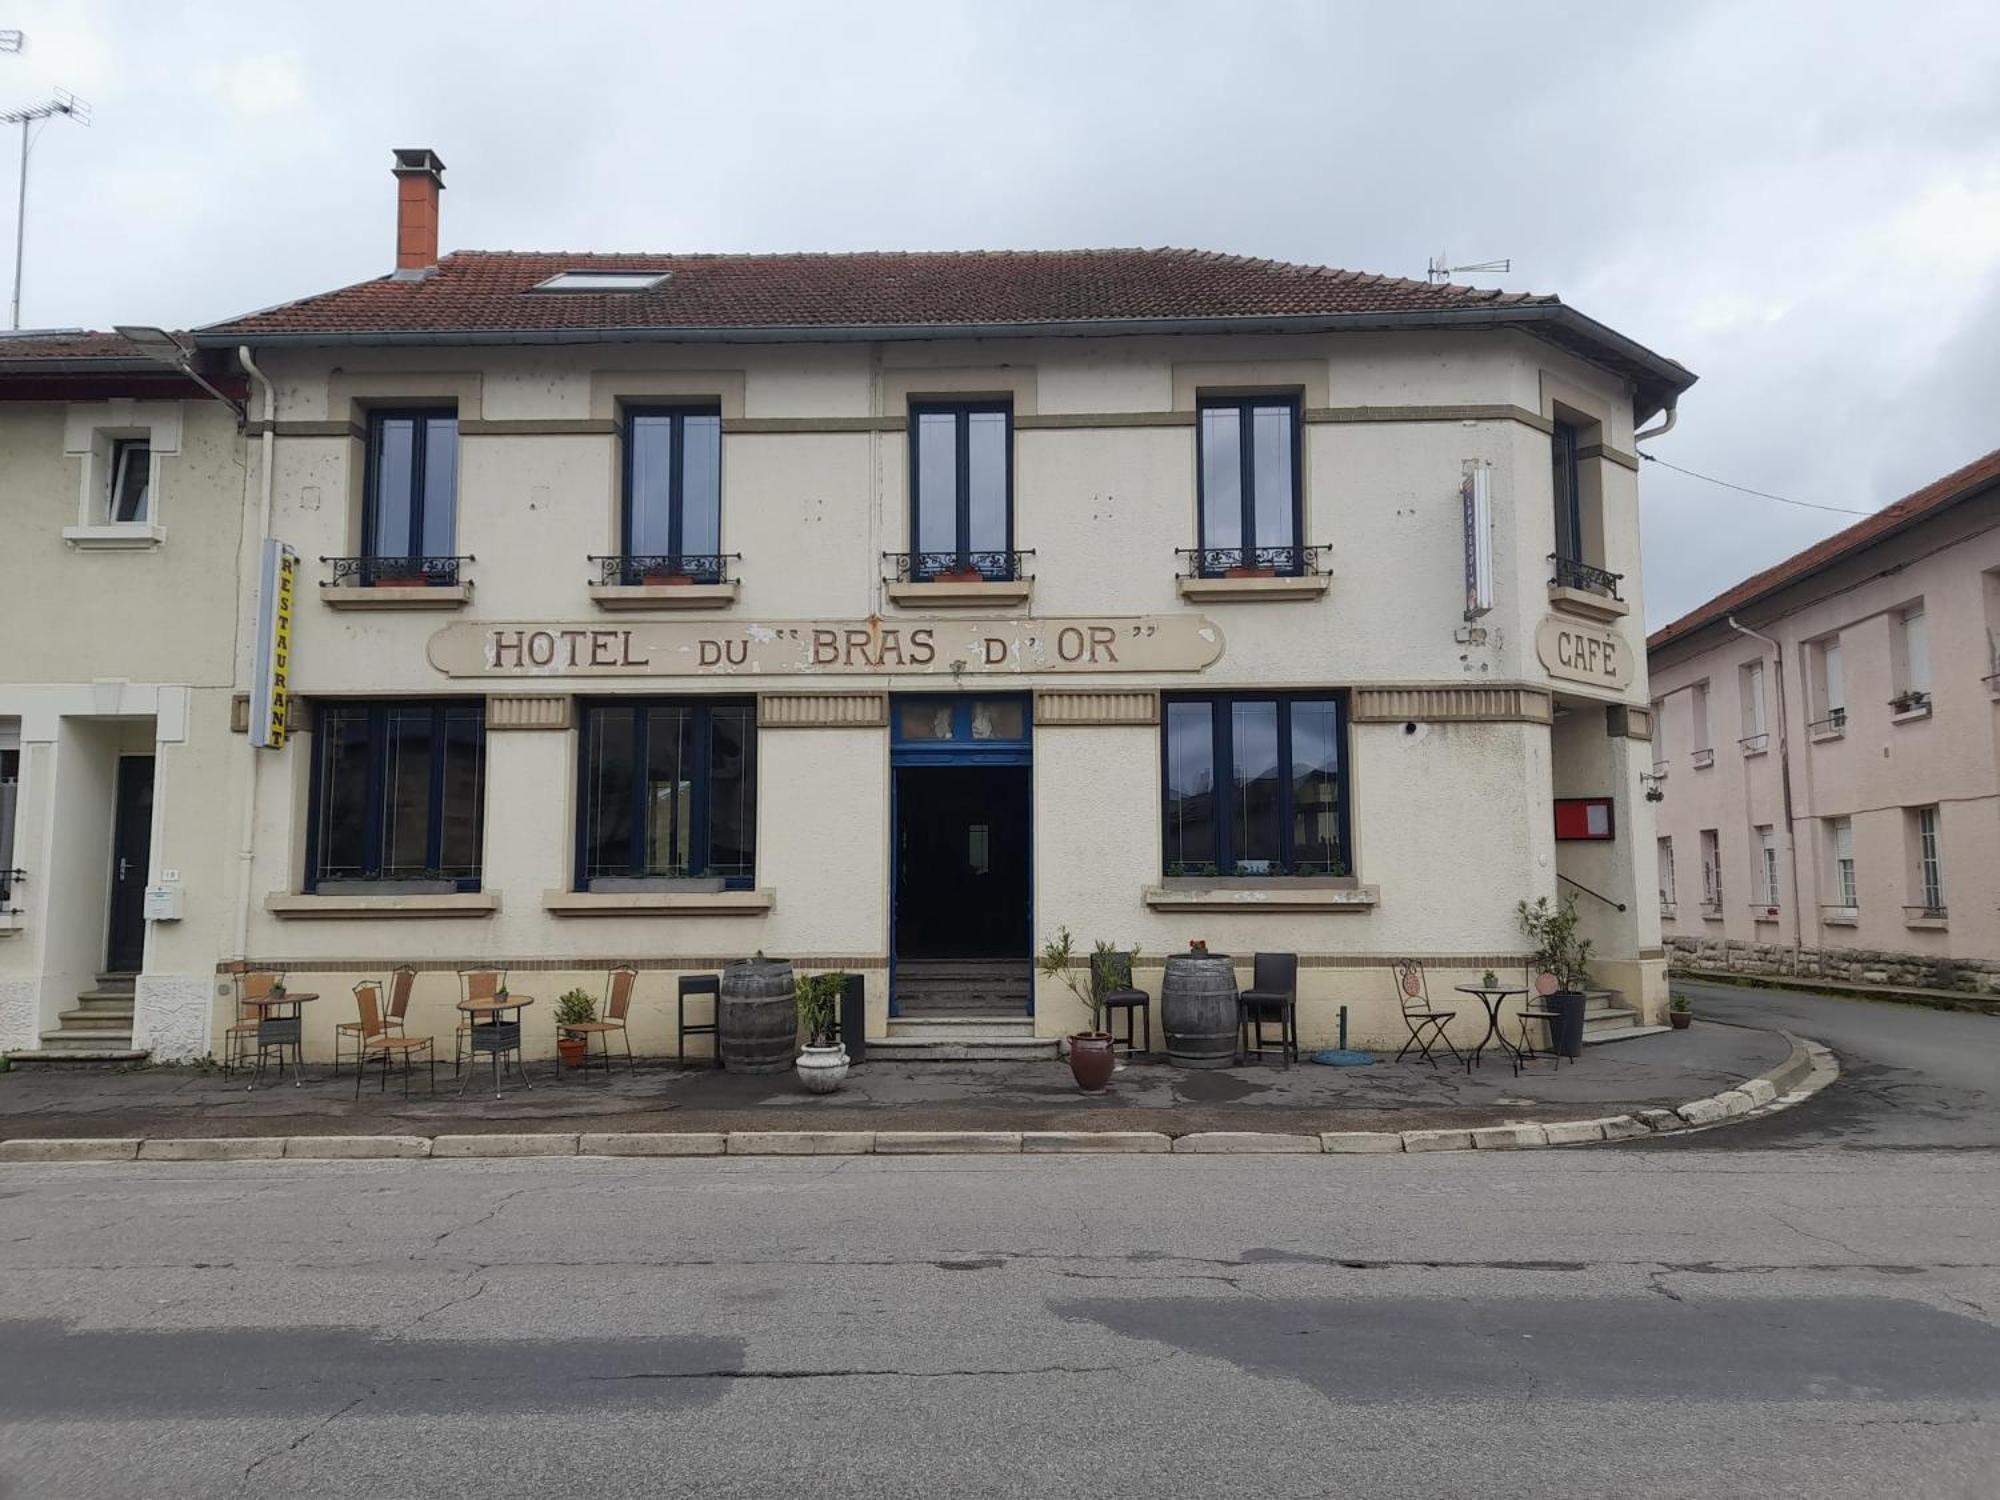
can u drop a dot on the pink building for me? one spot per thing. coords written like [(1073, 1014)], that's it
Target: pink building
[(1826, 745)]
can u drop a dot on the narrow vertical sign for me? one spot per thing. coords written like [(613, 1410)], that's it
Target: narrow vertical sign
[(1475, 491), (270, 695)]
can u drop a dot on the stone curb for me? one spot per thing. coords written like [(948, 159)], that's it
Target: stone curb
[(1809, 1068)]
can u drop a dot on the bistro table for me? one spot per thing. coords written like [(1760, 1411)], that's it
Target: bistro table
[(1492, 997), (277, 1031), (494, 1027)]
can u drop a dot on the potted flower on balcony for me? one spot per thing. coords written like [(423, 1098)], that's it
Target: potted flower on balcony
[(1091, 1059), (1562, 960), (574, 1008), (822, 1063)]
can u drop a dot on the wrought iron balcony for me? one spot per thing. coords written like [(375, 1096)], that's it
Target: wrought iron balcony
[(1832, 727), (1569, 573), (396, 572), (959, 567), (9, 879), (634, 568), (1250, 562), (1754, 744)]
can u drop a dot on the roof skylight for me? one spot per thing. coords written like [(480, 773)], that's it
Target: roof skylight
[(602, 281)]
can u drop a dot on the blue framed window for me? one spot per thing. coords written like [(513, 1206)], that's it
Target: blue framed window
[(1568, 492), (669, 792), (1255, 784), (949, 729), (1247, 477), (399, 793), (962, 488), (672, 523), (409, 506)]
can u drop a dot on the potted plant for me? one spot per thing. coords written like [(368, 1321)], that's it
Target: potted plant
[(1489, 980), (1198, 945), (574, 1008), (1680, 1012), (277, 990), (1091, 1059), (1562, 959), (822, 1062)]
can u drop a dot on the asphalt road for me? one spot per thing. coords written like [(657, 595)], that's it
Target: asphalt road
[(1717, 1319)]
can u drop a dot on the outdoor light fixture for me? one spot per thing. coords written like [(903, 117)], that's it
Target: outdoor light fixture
[(1652, 785), (163, 348)]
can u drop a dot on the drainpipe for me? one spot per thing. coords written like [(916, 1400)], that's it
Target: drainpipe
[(246, 851), (1784, 782), (1668, 418)]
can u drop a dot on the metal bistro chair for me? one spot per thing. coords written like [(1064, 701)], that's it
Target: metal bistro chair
[(1425, 1021), (1274, 990), (1111, 979), (240, 1039), (401, 982), (617, 1000), (375, 1040), (473, 984), (1531, 1012), (692, 986)]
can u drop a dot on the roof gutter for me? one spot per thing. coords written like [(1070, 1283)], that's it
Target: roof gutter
[(1661, 372)]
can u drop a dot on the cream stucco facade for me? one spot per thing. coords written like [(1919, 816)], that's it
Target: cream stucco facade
[(1887, 870), (1457, 735)]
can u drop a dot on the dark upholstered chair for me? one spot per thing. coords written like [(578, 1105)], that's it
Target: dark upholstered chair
[(1111, 980), (1273, 995)]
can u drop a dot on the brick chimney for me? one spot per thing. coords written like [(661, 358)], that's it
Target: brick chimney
[(419, 180)]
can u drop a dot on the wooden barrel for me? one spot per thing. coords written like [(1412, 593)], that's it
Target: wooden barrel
[(1198, 1010), (757, 1021)]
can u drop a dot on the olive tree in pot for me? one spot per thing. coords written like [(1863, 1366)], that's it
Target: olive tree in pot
[(1091, 1060), (1562, 960), (822, 1062), (1680, 1012), (573, 1008)]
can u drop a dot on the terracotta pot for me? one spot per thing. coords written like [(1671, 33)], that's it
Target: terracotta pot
[(1091, 1060), (959, 575), (573, 1050), (1249, 572), (1681, 1019)]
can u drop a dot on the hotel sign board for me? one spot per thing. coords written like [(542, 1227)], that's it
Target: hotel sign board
[(813, 648), (1577, 651)]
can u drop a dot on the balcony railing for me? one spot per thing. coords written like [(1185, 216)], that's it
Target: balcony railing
[(1568, 573), (1925, 913), (635, 568), (1250, 562), (395, 572), (1832, 727), (1669, 911), (959, 567), (9, 880), (1754, 744), (1702, 758)]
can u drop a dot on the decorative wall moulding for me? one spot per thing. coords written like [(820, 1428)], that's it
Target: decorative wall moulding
[(822, 710), (1444, 705), (1623, 721), (1066, 706), (507, 711)]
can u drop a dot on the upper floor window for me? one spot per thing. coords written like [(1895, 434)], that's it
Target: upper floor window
[(1568, 478), (1911, 665), (669, 793), (672, 522), (962, 490), (1826, 683), (129, 500), (1750, 680), (1698, 705), (1254, 786), (1248, 474), (409, 519), (398, 795)]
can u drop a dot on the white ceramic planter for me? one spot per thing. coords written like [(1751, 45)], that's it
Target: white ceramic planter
[(821, 1069)]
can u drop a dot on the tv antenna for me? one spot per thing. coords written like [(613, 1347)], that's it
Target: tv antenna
[(1440, 268), (64, 103)]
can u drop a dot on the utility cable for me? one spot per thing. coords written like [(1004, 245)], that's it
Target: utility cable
[(1839, 510)]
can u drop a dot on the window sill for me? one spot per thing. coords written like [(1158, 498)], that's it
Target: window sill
[(12, 922), (1287, 895), (968, 594), (1764, 916), (1670, 913), (1703, 759), (659, 903), (1911, 715), (1590, 606), (663, 595), (1253, 590), (127, 538), (1840, 916), (454, 904), (1929, 924), (1711, 912), (396, 596), (1828, 732), (1750, 754)]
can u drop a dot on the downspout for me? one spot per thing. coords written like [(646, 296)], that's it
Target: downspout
[(1785, 783), (246, 852), (1667, 420)]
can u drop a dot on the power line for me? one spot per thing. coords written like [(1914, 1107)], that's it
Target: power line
[(1839, 510)]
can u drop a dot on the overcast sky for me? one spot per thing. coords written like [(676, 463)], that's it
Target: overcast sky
[(1801, 202)]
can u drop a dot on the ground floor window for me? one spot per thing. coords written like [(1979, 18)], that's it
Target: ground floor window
[(1254, 785), (399, 791), (669, 793)]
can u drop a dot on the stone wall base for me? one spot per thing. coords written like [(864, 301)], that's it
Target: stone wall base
[(1969, 976)]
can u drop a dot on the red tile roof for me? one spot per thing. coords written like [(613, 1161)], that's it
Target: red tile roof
[(480, 290), (66, 343), (1958, 485)]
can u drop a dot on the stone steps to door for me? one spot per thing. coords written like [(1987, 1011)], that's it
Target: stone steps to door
[(98, 1018), (105, 1055)]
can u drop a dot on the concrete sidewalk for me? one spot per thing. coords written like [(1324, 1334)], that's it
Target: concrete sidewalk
[(1660, 1071)]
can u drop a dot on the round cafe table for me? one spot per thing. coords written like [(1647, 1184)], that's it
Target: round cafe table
[(277, 1030), (1492, 997), (493, 1027)]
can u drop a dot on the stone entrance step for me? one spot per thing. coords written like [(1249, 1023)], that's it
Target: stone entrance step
[(1621, 1034), (105, 1055), (958, 986), (962, 1039)]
